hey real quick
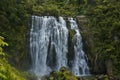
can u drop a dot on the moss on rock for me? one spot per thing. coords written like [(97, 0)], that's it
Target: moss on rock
[(63, 74), (70, 54), (71, 33)]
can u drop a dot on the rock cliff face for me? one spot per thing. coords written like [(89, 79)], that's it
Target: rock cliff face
[(83, 23), (97, 64), (89, 46)]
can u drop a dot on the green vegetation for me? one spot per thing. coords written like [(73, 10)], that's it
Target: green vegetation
[(2, 43), (55, 9), (6, 71), (104, 28), (71, 33), (13, 21), (63, 74)]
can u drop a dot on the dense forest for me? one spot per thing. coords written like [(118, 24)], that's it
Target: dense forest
[(104, 25)]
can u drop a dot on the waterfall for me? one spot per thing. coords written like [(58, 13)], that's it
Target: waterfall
[(80, 66), (49, 46)]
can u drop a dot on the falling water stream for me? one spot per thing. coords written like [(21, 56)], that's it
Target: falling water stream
[(49, 46)]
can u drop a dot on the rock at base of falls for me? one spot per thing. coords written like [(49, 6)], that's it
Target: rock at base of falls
[(62, 74)]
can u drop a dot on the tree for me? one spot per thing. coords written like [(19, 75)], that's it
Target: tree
[(6, 71), (105, 27), (2, 44)]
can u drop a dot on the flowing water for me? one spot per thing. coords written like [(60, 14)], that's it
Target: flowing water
[(49, 46)]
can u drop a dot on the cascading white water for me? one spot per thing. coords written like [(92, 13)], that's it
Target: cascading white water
[(49, 46), (79, 66)]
